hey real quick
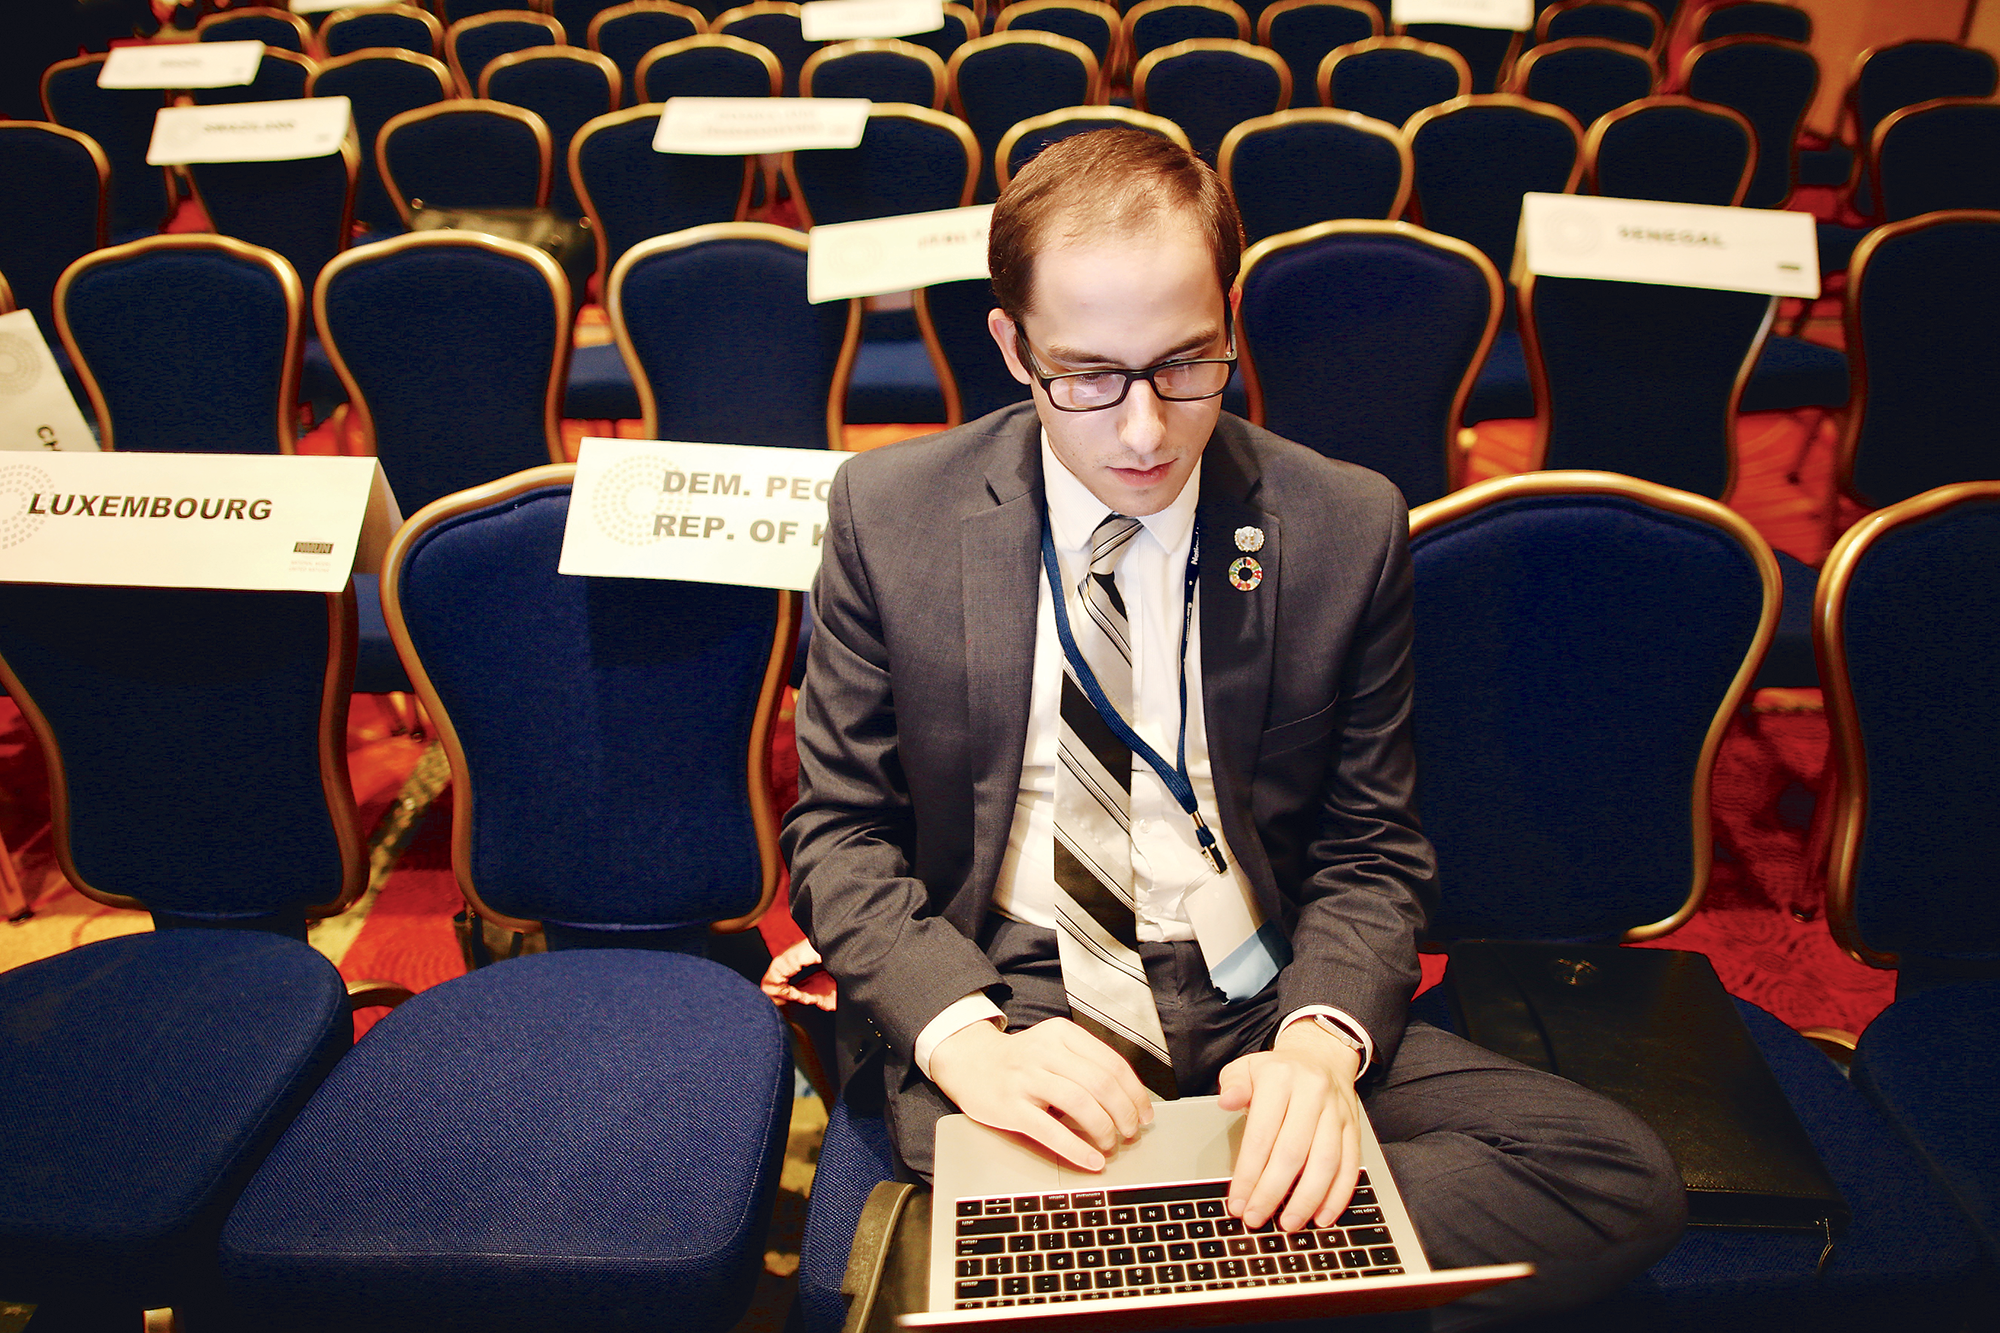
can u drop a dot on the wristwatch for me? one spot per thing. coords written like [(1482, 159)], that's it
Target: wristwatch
[(1340, 1034)]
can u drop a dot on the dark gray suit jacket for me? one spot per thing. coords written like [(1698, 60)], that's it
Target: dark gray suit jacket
[(914, 714)]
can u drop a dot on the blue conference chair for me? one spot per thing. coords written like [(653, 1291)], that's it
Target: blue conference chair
[(471, 44), (1906, 630), (960, 26), (630, 193), (718, 335), (1628, 21), (1391, 78), (454, 348), (400, 26), (149, 1073), (1361, 339), (281, 76), (1556, 612), (956, 312), (1093, 22), (1772, 84), (120, 120), (279, 28), (380, 85), (303, 209), (1302, 32), (465, 153), (1899, 74), (1209, 86), (626, 32), (878, 69), (999, 81), (44, 231), (566, 87), (576, 16), (1673, 149), (775, 26), (1314, 164), (708, 64), (1488, 52), (1154, 25), (1585, 76), (1025, 139), (1757, 18), (1935, 156), (241, 304), (616, 1108)]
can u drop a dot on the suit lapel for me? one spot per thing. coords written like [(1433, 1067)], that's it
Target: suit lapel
[(1000, 563), (1237, 627)]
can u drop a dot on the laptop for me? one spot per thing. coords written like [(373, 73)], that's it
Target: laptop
[(1018, 1234)]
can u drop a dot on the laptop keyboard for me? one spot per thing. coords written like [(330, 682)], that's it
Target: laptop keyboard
[(1034, 1249)]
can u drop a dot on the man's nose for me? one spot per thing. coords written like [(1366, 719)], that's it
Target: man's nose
[(1142, 426)]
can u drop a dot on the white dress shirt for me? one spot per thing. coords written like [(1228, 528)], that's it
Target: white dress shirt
[(1166, 860)]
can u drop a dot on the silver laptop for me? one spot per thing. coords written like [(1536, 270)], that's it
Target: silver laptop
[(1016, 1234)]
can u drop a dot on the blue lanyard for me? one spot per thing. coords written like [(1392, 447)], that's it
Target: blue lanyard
[(1175, 776)]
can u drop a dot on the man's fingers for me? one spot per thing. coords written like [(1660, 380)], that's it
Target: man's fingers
[(1322, 1169), (1343, 1183), (1290, 1147)]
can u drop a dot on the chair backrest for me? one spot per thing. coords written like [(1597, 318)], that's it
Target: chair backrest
[(381, 84), (1907, 627), (1391, 78), (238, 702), (1474, 157), (1772, 84), (1640, 378), (1671, 148), (974, 377), (454, 11), (709, 64), (473, 43), (998, 81), (961, 25), (397, 25), (715, 327), (1302, 32), (1582, 641), (1025, 139), (1631, 22), (1209, 86), (879, 69), (466, 153), (120, 120), (911, 159), (237, 308), (1888, 78), (626, 32), (1153, 25), (454, 349), (1489, 53), (63, 218), (1924, 384), (277, 28), (1755, 18), (1935, 156), (629, 192), (281, 76), (576, 16), (1361, 339), (1585, 76), (566, 86), (1314, 164), (661, 694), (1093, 22), (303, 209), (773, 25)]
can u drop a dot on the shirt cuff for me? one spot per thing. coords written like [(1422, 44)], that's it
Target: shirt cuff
[(1344, 1021), (960, 1014)]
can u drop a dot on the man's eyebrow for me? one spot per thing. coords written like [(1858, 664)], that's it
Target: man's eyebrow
[(1071, 356)]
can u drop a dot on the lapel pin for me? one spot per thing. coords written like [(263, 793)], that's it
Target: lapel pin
[(1246, 573), (1250, 539)]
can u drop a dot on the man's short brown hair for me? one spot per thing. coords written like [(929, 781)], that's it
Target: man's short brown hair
[(1105, 183)]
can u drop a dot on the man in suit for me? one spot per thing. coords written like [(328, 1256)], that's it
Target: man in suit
[(934, 848)]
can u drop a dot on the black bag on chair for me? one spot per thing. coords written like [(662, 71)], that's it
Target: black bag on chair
[(568, 241)]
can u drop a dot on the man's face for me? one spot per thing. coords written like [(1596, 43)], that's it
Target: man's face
[(1129, 303)]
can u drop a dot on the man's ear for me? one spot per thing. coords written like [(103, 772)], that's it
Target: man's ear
[(1003, 330)]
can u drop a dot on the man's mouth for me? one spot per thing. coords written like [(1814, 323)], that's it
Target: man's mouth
[(1144, 476)]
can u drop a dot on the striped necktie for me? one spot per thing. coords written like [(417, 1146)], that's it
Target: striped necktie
[(1095, 904)]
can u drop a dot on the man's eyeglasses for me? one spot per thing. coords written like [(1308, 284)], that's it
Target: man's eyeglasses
[(1095, 390)]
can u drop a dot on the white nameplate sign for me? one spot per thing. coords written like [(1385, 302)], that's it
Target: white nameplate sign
[(1514, 15), (845, 20), (1765, 250), (743, 125), (182, 65), (249, 131), (845, 259), (36, 409), (284, 522), (708, 513)]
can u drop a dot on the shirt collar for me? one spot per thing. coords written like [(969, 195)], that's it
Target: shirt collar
[(1074, 512)]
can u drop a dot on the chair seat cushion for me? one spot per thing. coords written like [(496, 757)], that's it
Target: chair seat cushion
[(1792, 373), (144, 1077), (377, 669), (583, 1139), (893, 381), (854, 1157), (600, 388), (1931, 1062), (1502, 391)]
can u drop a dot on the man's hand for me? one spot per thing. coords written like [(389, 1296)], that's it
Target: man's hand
[(1053, 1082), (1300, 1138), (782, 981)]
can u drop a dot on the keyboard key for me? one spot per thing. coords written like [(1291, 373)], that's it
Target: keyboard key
[(1361, 1217), (1028, 1203), (1210, 1208), (1383, 1255), (1092, 1199), (1090, 1258), (1304, 1240), (1035, 1222), (1076, 1281), (988, 1226), (1354, 1258), (968, 1208), (1199, 1189), (1242, 1245), (1368, 1236), (1124, 1217), (1201, 1272), (1139, 1277), (1020, 1243), (1063, 1259), (1291, 1263), (1383, 1272), (1211, 1249), (1123, 1291), (1063, 1221), (1049, 1240), (1229, 1226), (1139, 1235), (999, 1205), (1111, 1236), (1275, 1243), (967, 1268), (1108, 1278), (1184, 1250), (1263, 1265), (1051, 1202), (1028, 1263), (1014, 1286), (1333, 1238), (1119, 1255), (981, 1245), (1323, 1262), (976, 1290), (1171, 1231), (1096, 1217), (1153, 1212), (1171, 1273), (1082, 1240), (1152, 1254), (1362, 1195), (1361, 1180), (1181, 1212), (1047, 1282), (999, 1267), (1231, 1268)]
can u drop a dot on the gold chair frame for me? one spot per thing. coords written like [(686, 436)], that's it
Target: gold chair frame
[(463, 106), (340, 16), (1415, 208), (1653, 48), (923, 55), (1524, 68), (1263, 55), (701, 40), (1693, 56), (349, 151), (1272, 12), (1872, 161), (1323, 76), (1094, 74), (604, 16), (923, 115), (1138, 120), (548, 22), (1225, 158), (646, 111), (1595, 137), (603, 64), (225, 16), (102, 232)]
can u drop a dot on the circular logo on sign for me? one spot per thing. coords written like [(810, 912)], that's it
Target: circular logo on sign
[(1573, 232), (19, 483), (19, 366), (628, 498)]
